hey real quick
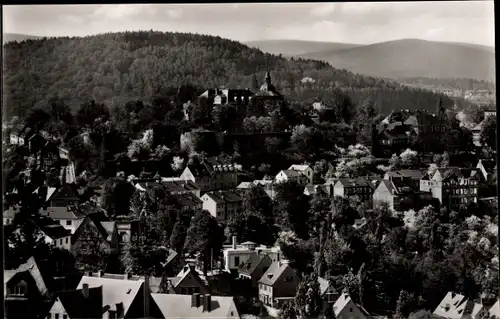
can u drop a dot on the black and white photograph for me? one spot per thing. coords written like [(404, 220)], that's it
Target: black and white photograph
[(329, 160)]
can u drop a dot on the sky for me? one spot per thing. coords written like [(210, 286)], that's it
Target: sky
[(363, 23)]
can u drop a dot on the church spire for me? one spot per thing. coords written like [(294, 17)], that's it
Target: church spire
[(268, 77)]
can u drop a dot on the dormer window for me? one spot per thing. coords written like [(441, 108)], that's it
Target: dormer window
[(21, 289)]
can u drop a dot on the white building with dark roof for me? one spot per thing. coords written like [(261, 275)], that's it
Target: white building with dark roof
[(457, 306), (235, 255), (222, 204)]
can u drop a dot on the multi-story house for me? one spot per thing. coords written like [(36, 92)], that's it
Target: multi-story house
[(305, 170), (254, 267), (362, 187), (487, 169), (222, 204), (393, 192), (390, 142), (188, 201), (279, 283), (170, 306), (291, 175), (324, 189), (454, 187), (25, 289), (327, 292), (424, 123), (476, 131), (413, 177), (123, 296), (95, 235), (236, 255), (211, 174)]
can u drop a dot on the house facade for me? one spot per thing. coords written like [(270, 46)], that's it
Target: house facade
[(455, 305), (291, 175), (346, 308), (453, 187), (235, 255), (361, 187), (277, 284), (222, 204), (211, 174), (95, 236), (254, 267), (187, 282), (305, 170)]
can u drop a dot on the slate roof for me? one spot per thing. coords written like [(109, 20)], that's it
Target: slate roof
[(179, 306), (495, 309), (273, 273), (179, 186), (114, 291), (354, 182), (45, 192), (299, 168), (292, 173), (42, 281), (226, 196), (77, 306), (323, 285), (342, 302), (253, 263), (410, 173), (398, 187), (187, 199), (55, 231), (68, 212)]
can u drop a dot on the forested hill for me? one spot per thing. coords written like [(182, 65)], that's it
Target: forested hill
[(117, 67)]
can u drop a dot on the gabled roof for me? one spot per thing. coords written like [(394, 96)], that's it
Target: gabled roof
[(398, 187), (11, 211), (313, 189), (354, 182), (30, 266), (179, 306), (253, 263), (45, 192), (77, 305), (55, 231), (410, 173), (114, 291), (185, 271), (323, 285), (489, 165), (495, 309), (68, 212), (187, 199), (391, 135), (226, 196), (273, 273), (343, 301), (299, 168), (245, 185), (291, 173), (179, 186)]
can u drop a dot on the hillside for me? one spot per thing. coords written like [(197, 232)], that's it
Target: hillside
[(9, 37), (414, 58), (297, 47), (115, 68)]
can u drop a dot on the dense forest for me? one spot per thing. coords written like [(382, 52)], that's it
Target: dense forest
[(115, 68), (457, 84)]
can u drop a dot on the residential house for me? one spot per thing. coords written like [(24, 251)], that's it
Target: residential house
[(362, 187), (278, 284), (222, 204), (123, 296), (188, 201), (127, 227), (224, 96), (390, 142), (20, 135), (187, 282), (181, 187), (172, 306), (453, 186), (211, 174), (412, 176), (64, 196), (346, 308), (57, 235), (36, 142), (95, 235), (25, 289), (400, 191), (291, 175), (425, 123), (328, 293), (456, 306), (235, 255), (254, 267), (268, 185), (305, 170), (80, 303)]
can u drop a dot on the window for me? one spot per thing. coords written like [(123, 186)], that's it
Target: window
[(67, 240), (350, 309), (49, 316), (65, 316), (236, 260), (20, 289), (68, 223), (56, 316)]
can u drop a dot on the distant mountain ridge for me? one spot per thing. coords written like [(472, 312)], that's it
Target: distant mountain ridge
[(403, 58), (296, 47), (10, 37)]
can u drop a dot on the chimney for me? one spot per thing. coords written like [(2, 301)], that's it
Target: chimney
[(146, 293), (85, 290), (100, 273), (195, 300), (207, 303), (234, 242), (119, 309), (127, 276)]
